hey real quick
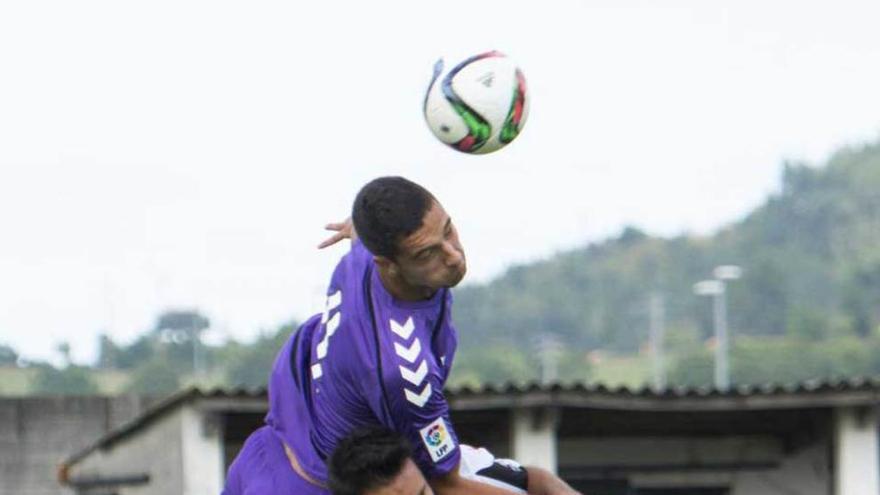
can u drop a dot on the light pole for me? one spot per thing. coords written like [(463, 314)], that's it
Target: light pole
[(716, 288), (655, 310)]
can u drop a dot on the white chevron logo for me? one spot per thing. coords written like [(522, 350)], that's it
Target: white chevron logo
[(419, 399), (405, 330), (333, 324), (333, 301), (415, 377), (411, 353)]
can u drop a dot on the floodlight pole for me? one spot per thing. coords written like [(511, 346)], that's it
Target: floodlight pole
[(657, 337), (722, 367), (716, 288)]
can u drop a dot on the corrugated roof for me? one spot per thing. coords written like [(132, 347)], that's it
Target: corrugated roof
[(811, 393), (805, 387)]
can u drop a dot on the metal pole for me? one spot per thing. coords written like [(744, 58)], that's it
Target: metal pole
[(722, 369), (657, 337)]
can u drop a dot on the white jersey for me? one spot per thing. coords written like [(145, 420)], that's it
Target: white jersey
[(480, 465)]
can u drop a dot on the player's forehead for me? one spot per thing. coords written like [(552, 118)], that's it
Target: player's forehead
[(431, 231)]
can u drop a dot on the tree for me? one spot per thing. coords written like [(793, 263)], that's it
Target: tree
[(108, 353), (140, 351), (250, 365), (72, 380), (154, 377), (63, 348), (8, 356)]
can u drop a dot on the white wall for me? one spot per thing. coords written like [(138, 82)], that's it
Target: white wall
[(534, 437), (856, 452), (202, 448)]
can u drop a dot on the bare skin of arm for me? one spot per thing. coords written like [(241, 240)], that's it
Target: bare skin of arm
[(453, 484), (541, 482)]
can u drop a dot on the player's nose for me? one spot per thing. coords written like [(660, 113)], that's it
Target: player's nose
[(454, 256)]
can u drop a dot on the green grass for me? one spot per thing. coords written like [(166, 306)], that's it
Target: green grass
[(18, 381), (631, 371)]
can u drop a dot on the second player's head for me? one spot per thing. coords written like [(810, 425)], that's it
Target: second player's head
[(375, 461), (409, 233)]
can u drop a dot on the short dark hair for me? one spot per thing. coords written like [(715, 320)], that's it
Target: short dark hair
[(366, 459), (388, 209)]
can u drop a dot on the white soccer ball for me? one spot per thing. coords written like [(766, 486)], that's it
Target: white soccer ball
[(479, 105)]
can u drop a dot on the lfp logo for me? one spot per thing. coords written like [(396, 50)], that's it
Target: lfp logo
[(435, 435), (437, 438)]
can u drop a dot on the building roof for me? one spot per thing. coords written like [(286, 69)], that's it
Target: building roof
[(808, 394)]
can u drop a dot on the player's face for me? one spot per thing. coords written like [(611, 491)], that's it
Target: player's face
[(410, 481), (432, 256)]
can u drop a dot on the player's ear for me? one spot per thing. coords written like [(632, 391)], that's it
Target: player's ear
[(385, 264)]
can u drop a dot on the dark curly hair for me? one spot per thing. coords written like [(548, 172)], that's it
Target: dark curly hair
[(365, 460), (387, 210)]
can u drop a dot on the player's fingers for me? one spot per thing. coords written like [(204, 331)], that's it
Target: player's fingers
[(334, 226), (332, 240)]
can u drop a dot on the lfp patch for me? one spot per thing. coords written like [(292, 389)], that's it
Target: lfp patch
[(437, 439)]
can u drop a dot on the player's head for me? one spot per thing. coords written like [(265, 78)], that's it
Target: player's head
[(409, 233), (375, 461)]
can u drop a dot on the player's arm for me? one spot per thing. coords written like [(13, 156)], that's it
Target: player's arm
[(453, 484), (543, 482), (343, 229)]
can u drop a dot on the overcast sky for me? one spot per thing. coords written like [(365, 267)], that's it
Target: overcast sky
[(187, 153)]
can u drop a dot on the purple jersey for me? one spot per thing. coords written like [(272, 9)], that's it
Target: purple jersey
[(369, 359)]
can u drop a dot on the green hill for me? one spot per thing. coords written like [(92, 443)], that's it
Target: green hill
[(809, 254)]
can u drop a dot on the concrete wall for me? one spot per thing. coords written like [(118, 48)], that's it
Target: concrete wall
[(202, 453), (181, 452), (156, 450), (856, 455), (804, 471), (534, 437), (36, 433)]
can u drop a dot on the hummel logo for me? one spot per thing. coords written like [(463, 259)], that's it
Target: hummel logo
[(332, 325), (333, 301), (418, 399), (411, 353), (405, 330), (415, 377), (487, 79)]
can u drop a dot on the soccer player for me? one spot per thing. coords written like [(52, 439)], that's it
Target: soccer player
[(379, 354), (378, 461)]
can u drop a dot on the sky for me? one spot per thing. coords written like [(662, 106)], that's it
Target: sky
[(187, 153)]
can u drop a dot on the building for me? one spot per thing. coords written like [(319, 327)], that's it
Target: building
[(814, 438), (37, 433)]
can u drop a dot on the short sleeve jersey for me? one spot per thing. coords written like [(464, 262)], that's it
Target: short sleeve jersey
[(369, 359)]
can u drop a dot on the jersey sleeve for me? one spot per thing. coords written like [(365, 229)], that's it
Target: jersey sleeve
[(412, 380)]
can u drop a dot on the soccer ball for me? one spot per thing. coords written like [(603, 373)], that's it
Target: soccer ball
[(479, 105)]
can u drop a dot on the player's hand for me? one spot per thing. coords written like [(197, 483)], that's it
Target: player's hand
[(344, 230)]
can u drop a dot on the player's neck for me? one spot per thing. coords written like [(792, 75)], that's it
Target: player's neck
[(399, 289)]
